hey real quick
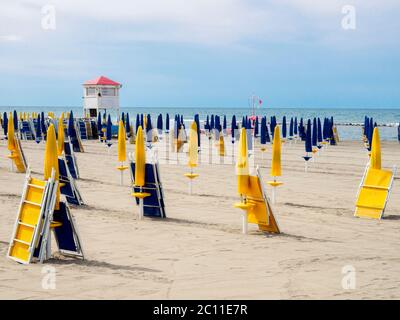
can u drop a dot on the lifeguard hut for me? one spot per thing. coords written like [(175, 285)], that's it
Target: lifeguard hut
[(100, 94)]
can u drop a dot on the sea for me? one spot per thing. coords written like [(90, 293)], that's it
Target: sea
[(348, 120)]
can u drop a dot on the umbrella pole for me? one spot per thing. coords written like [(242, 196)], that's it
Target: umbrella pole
[(141, 204), (306, 166), (244, 220), (122, 174), (273, 192), (209, 150)]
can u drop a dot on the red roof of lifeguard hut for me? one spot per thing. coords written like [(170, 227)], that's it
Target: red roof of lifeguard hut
[(102, 81)]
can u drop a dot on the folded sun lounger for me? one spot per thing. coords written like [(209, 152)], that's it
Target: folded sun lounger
[(374, 193), (154, 204)]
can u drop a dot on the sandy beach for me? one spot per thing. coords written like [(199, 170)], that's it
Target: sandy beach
[(199, 251)]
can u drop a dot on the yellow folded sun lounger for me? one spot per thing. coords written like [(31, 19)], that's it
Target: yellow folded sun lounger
[(374, 193)]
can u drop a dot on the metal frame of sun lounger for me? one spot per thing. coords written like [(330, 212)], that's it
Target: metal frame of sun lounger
[(394, 171), (48, 217), (21, 153)]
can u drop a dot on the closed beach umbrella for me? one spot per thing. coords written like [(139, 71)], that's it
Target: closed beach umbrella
[(319, 132), (308, 144), (142, 121), (11, 134), (267, 137), (242, 164), (60, 141), (15, 119), (167, 123), (137, 122), (302, 133), (276, 170), (376, 158), (38, 130), (233, 128), (212, 124), (314, 133), (284, 129), (244, 123), (256, 124), (207, 124), (43, 125), (121, 142), (193, 145), (127, 125), (291, 129), (197, 120), (263, 132), (5, 123), (224, 124), (51, 159), (140, 159), (99, 125), (295, 131), (159, 123), (109, 130), (370, 132), (149, 125)]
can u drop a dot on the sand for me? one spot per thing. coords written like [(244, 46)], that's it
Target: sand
[(199, 251)]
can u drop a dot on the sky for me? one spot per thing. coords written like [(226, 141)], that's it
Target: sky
[(202, 53)]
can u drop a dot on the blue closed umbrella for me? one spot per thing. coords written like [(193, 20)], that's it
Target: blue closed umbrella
[(142, 122), (308, 143), (127, 126), (233, 128), (295, 127), (159, 123), (109, 131), (256, 124), (284, 129), (149, 126), (15, 119), (197, 120), (99, 126), (167, 123), (5, 123), (123, 117), (38, 130), (43, 125), (319, 133), (314, 133), (263, 131), (224, 124), (207, 124), (302, 130), (291, 129), (212, 123), (137, 122)]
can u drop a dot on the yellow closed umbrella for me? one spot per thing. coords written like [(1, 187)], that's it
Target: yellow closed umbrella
[(140, 159), (10, 134), (193, 145), (140, 169), (276, 166), (51, 160), (276, 170), (376, 156), (61, 138), (121, 149), (193, 154), (243, 175), (242, 164), (221, 145)]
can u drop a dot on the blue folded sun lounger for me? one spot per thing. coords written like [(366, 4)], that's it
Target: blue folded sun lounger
[(153, 205), (68, 186)]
